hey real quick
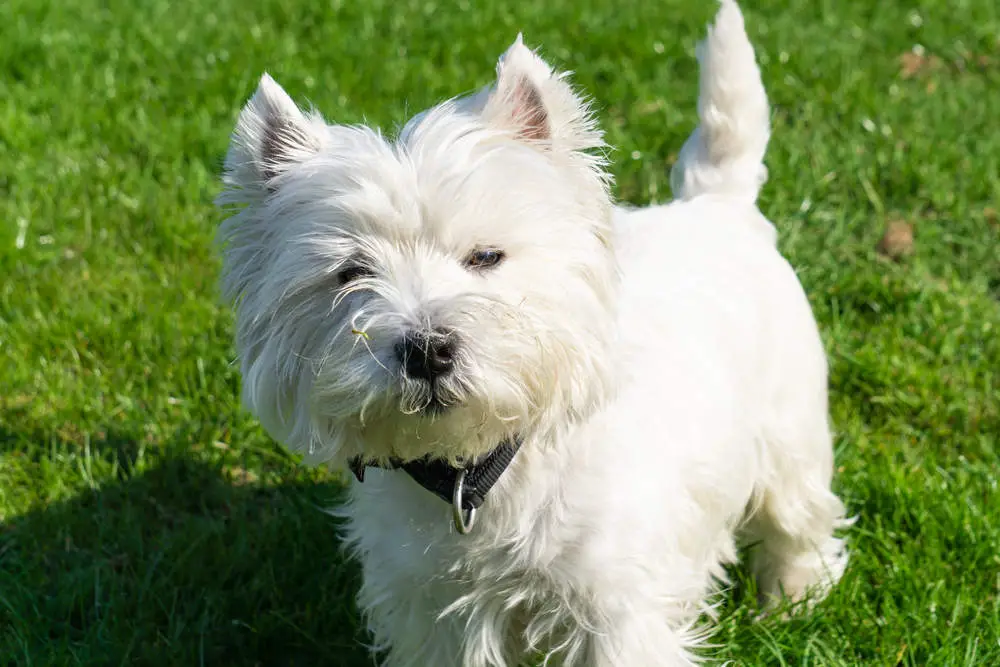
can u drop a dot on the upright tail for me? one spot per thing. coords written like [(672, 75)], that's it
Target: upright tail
[(725, 153)]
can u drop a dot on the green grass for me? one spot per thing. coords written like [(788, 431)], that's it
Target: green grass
[(146, 520)]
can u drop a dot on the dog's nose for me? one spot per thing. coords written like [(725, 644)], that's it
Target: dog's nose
[(426, 356)]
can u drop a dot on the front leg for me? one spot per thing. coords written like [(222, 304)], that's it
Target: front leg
[(642, 637), (403, 618)]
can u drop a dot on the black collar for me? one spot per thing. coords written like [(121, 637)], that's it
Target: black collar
[(442, 479)]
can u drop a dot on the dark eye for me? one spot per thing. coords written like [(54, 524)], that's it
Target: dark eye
[(353, 272), (484, 258)]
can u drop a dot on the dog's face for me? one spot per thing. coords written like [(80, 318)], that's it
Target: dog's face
[(431, 294)]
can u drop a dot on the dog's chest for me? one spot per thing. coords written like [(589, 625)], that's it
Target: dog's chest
[(520, 539)]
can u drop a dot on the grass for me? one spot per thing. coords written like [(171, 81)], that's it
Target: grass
[(146, 520)]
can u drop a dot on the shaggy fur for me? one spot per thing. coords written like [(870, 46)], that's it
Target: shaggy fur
[(662, 365)]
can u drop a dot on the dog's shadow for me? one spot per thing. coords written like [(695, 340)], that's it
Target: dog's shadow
[(177, 564)]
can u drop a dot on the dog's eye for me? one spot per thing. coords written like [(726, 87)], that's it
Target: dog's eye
[(353, 272), (484, 258)]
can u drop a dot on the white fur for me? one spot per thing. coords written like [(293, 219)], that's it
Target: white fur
[(725, 153), (662, 364)]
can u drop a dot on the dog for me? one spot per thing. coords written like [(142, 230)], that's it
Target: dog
[(565, 416)]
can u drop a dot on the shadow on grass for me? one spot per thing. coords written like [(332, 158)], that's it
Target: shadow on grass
[(177, 565)]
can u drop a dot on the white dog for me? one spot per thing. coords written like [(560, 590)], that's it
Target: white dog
[(625, 395)]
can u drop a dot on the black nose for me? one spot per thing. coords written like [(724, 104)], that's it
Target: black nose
[(426, 356)]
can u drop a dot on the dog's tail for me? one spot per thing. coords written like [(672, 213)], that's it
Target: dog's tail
[(725, 153)]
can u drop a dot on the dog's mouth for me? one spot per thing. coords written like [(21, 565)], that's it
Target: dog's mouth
[(427, 399), (436, 405)]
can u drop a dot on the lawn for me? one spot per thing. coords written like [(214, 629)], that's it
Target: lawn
[(146, 520)]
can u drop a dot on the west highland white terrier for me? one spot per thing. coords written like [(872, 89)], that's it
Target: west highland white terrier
[(564, 416)]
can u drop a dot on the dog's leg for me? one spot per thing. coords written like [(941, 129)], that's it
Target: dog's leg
[(791, 532), (410, 629), (642, 638), (406, 629)]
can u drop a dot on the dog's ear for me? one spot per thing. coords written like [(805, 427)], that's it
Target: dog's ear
[(271, 135), (538, 104)]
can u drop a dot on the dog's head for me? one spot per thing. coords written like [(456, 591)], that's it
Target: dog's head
[(428, 294)]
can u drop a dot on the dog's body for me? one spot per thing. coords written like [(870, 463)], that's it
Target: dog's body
[(661, 365), (608, 537)]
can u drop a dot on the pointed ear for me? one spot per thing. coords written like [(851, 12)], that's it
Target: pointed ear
[(271, 135), (538, 104)]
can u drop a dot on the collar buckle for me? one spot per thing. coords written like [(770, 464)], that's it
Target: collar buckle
[(465, 519), (463, 488)]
